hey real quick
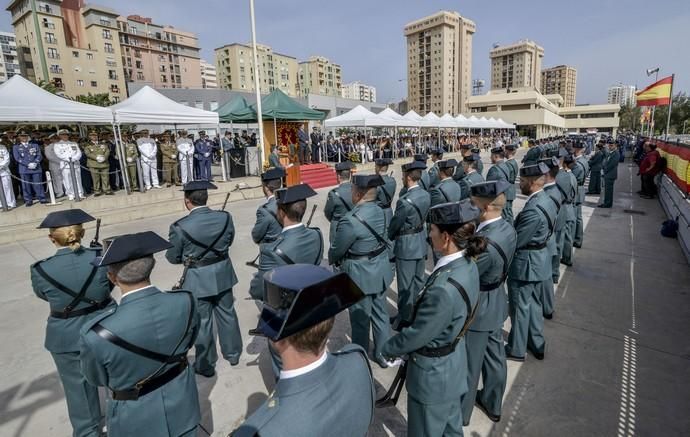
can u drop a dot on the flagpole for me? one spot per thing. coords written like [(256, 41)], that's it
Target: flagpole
[(670, 106)]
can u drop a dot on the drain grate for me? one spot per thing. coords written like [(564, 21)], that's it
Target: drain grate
[(634, 211)]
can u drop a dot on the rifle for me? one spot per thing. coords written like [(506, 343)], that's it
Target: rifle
[(390, 399), (311, 216), (94, 243), (191, 260)]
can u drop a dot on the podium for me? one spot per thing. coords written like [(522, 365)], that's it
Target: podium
[(293, 176)]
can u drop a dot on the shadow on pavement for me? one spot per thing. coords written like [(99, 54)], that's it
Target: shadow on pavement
[(23, 401)]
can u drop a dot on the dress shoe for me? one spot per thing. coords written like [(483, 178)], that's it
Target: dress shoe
[(234, 362), (548, 316), (44, 201), (567, 263), (577, 246), (481, 406), (513, 357), (537, 355), (28, 204), (100, 193), (210, 374), (109, 193)]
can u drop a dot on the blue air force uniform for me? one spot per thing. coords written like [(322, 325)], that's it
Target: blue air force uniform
[(28, 157), (139, 353), (203, 153), (77, 292), (201, 241)]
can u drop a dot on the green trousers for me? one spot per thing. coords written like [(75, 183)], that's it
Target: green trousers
[(526, 318), (594, 182), (83, 405), (567, 246), (507, 212), (433, 420), (486, 356), (410, 275), (547, 296), (370, 312), (221, 309), (608, 192)]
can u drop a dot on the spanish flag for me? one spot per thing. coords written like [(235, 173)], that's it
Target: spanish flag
[(656, 94)]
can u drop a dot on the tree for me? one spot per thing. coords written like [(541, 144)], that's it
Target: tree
[(48, 86), (680, 113), (630, 118), (102, 99)]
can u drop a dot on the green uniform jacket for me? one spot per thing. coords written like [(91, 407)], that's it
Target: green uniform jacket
[(408, 219), (335, 399), (169, 153), (153, 320), (338, 204), (385, 194), (440, 313), (267, 228), (580, 170), (459, 173), (445, 191), (300, 244), (611, 166), (131, 152), (71, 269), (373, 275), (204, 225), (512, 166), (596, 162), (499, 172), (472, 178), (492, 309), (274, 161), (434, 177), (567, 185), (532, 228), (557, 202), (532, 156), (92, 151), (423, 184)]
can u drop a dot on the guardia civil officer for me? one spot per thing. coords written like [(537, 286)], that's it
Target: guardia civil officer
[(567, 185), (472, 174), (318, 393), (513, 172), (385, 192), (361, 249), (580, 171), (501, 171), (436, 156), (76, 292), (533, 154), (554, 194), (596, 162), (484, 339), (465, 150), (407, 229), (445, 190), (267, 227), (201, 242), (139, 350), (339, 200), (610, 173), (480, 165), (424, 180), (434, 340), (530, 266)]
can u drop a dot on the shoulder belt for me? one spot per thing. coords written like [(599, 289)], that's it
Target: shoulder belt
[(584, 170), (77, 297), (506, 265), (416, 208), (376, 235), (565, 196), (387, 194), (210, 247), (442, 192), (548, 219), (555, 202), (421, 182), (273, 214), (470, 310), (504, 173), (337, 194)]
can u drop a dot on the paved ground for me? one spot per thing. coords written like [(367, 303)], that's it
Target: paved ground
[(617, 360)]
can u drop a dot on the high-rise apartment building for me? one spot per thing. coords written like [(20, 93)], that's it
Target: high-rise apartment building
[(623, 95), (70, 44), (209, 77), (359, 91), (9, 62), (562, 80), (158, 55), (319, 76), (439, 63), (235, 72), (516, 65)]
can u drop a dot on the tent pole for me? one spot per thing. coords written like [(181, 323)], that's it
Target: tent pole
[(257, 86), (275, 132), (120, 147), (222, 154)]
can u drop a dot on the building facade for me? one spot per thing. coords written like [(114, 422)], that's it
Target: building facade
[(157, 55), (235, 72), (69, 44), (439, 63), (623, 95), (209, 77), (9, 62), (516, 65), (319, 76), (593, 119), (562, 80), (359, 91)]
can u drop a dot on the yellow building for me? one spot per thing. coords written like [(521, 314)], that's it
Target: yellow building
[(235, 72), (319, 76), (439, 63), (72, 45), (516, 65), (562, 80)]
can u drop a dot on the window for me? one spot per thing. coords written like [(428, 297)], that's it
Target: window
[(48, 24), (55, 69), (50, 38), (80, 82), (107, 34), (104, 22), (213, 106), (75, 54), (94, 83), (109, 48), (89, 56), (114, 89), (199, 104), (138, 64), (53, 53), (112, 74)]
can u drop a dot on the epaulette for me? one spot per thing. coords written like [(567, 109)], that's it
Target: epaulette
[(95, 320)]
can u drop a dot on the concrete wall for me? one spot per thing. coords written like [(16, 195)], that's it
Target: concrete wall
[(676, 205)]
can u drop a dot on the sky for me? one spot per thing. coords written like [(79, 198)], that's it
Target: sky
[(607, 41)]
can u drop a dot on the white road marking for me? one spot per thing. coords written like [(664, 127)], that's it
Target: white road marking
[(628, 401)]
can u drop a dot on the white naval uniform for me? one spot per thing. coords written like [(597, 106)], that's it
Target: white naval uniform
[(149, 162), (67, 151), (6, 178), (185, 147)]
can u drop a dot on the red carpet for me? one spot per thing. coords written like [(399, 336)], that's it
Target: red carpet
[(318, 175)]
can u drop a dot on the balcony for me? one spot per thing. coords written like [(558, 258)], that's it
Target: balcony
[(109, 50), (53, 55), (56, 70), (111, 63), (50, 40)]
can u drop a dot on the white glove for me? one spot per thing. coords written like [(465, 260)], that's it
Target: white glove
[(32, 165), (100, 158), (130, 160), (395, 363), (173, 156), (206, 155)]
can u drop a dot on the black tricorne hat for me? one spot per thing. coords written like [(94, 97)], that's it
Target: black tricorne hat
[(414, 165), (454, 213), (300, 296), (367, 180), (68, 217), (449, 163), (490, 189), (198, 185), (294, 194), (382, 162), (551, 162), (273, 174), (534, 170), (130, 247), (344, 166), (497, 149), (422, 157)]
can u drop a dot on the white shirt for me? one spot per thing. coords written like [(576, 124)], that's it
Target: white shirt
[(487, 223), (287, 228), (197, 207), (413, 186), (287, 374), (135, 290), (448, 259), (549, 184)]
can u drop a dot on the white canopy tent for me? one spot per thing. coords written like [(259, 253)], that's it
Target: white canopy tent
[(389, 113), (447, 121), (415, 120), (359, 116), (462, 122), (22, 101), (148, 106)]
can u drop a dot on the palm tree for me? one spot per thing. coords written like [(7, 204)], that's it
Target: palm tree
[(48, 86), (102, 99)]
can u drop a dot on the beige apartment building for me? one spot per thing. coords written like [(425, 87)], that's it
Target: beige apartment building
[(562, 80), (516, 65), (157, 55), (70, 44), (319, 76), (439, 63), (235, 72), (209, 78)]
